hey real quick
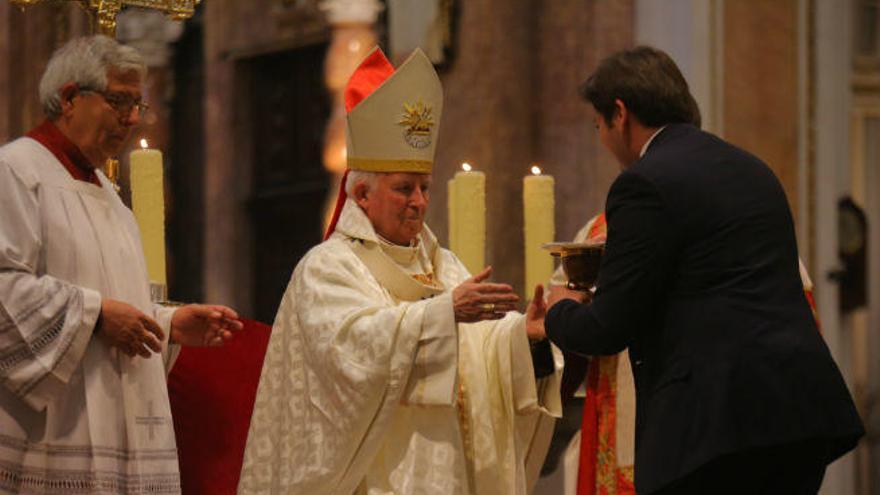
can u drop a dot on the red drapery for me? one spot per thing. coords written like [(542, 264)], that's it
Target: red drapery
[(212, 392)]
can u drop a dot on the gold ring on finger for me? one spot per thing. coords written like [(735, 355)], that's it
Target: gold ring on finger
[(490, 307)]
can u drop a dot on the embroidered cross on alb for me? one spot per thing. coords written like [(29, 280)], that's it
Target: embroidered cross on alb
[(150, 421)]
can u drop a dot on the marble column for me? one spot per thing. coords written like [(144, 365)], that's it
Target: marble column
[(227, 276), (352, 38), (488, 122), (572, 38)]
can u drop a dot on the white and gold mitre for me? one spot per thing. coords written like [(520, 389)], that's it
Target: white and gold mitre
[(394, 128)]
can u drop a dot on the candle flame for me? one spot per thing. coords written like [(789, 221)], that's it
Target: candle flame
[(536, 170), (466, 167), (144, 143)]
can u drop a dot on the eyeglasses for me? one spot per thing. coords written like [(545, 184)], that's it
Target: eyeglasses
[(123, 103)]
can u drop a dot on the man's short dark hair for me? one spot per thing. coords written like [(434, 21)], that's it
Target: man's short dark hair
[(648, 82)]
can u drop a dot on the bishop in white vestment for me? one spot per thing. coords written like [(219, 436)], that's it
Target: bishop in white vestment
[(387, 371)]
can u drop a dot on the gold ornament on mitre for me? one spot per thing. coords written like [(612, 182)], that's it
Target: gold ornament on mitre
[(394, 129), (418, 122)]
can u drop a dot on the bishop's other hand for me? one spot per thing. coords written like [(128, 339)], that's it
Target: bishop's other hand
[(535, 315), (204, 325), (477, 300)]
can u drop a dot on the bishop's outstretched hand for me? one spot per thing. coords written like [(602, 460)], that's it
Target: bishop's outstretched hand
[(477, 300)]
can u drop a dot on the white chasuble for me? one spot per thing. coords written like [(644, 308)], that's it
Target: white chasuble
[(369, 385), (75, 415)]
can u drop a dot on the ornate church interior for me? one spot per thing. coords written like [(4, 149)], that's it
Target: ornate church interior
[(246, 106)]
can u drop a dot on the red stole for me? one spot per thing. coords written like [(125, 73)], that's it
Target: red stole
[(76, 163), (598, 472)]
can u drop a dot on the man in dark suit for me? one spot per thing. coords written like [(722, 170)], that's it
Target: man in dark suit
[(736, 391)]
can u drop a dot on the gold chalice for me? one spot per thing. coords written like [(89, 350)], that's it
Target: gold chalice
[(580, 262)]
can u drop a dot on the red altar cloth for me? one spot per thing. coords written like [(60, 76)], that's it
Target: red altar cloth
[(212, 391)]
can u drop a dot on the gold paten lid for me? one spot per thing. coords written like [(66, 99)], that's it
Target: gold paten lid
[(564, 249)]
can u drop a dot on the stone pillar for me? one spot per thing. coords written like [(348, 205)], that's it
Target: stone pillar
[(572, 38), (488, 122), (524, 107), (691, 32), (352, 38), (235, 33), (761, 111), (227, 276), (833, 100)]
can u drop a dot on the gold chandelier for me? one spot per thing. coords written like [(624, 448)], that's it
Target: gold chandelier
[(103, 12)]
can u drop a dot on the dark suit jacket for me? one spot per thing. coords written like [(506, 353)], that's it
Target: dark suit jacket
[(700, 280)]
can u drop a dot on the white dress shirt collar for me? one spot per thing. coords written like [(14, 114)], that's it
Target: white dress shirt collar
[(648, 142)]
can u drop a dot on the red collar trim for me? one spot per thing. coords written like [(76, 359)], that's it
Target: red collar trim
[(65, 151)]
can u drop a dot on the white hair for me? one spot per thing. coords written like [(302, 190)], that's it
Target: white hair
[(86, 61), (371, 179)]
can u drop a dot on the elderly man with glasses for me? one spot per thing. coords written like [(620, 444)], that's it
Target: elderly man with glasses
[(83, 401)]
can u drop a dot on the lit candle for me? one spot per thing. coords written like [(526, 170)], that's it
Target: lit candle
[(148, 205), (467, 217), (453, 219), (538, 226)]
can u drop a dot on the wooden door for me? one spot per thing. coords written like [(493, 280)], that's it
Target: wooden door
[(287, 109)]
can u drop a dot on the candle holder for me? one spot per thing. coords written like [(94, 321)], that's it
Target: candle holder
[(580, 262), (111, 170), (159, 295), (158, 292)]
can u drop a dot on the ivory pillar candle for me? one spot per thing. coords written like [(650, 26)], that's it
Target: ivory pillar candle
[(453, 220), (148, 205), (467, 217), (538, 227)]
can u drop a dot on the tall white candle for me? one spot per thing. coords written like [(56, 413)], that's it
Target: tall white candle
[(453, 219), (467, 217), (538, 226), (148, 205)]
